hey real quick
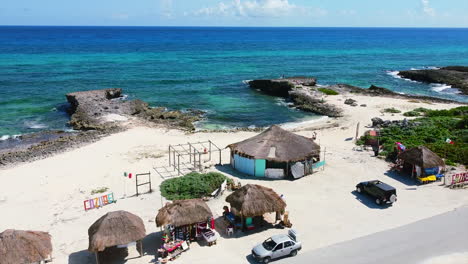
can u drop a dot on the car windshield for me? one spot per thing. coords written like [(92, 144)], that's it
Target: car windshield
[(269, 244)]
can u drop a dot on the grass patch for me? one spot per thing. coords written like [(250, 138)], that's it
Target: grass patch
[(99, 190), (431, 131), (328, 91), (192, 185), (417, 112), (391, 110)]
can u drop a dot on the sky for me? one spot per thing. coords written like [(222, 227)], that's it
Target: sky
[(287, 13)]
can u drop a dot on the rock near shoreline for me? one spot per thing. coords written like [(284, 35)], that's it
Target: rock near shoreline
[(456, 76), (103, 109)]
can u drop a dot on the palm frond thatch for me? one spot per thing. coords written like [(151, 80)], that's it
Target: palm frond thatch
[(18, 246), (183, 212), (421, 156), (115, 228), (255, 200), (277, 144)]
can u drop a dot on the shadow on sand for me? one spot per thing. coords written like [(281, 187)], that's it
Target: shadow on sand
[(369, 201), (406, 180), (151, 243)]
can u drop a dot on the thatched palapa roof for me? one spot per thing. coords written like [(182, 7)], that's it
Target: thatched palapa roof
[(255, 200), (17, 246), (277, 144), (183, 212), (115, 228), (421, 156)]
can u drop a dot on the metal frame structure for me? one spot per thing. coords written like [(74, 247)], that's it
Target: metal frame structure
[(148, 182), (184, 158)]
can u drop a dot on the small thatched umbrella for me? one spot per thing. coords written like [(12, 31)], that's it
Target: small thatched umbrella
[(115, 228), (255, 200), (17, 246), (422, 157), (183, 212)]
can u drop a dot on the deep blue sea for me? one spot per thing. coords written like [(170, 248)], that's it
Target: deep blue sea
[(204, 68)]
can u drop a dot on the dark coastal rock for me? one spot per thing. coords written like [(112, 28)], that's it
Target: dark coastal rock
[(307, 102), (103, 109), (456, 76), (350, 101), (377, 121), (281, 87)]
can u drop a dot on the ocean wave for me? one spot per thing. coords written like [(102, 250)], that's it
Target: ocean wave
[(7, 137), (444, 88), (283, 102), (246, 82), (297, 124), (395, 75), (35, 125)]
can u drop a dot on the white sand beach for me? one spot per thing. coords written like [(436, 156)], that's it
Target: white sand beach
[(48, 194)]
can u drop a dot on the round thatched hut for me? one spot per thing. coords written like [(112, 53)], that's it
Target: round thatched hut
[(275, 153), (113, 229), (17, 246), (254, 200), (421, 161), (188, 217)]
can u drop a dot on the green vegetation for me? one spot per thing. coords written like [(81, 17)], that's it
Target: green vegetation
[(99, 190), (432, 132), (192, 185), (417, 112), (328, 91), (391, 110)]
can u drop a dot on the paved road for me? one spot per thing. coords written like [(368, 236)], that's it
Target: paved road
[(410, 244)]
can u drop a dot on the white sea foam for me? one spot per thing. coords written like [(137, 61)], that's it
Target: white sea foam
[(394, 74), (4, 137), (35, 125), (246, 81), (293, 125), (283, 102), (444, 88)]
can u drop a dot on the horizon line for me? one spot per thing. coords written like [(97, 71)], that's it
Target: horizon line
[(136, 26)]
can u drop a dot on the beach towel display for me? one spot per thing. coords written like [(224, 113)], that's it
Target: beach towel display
[(297, 170)]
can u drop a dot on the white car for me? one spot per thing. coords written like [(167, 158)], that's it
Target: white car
[(277, 246)]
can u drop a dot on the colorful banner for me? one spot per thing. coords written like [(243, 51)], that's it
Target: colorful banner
[(459, 178), (99, 201)]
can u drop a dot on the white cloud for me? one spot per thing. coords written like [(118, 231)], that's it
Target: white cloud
[(166, 8), (257, 8), (427, 9)]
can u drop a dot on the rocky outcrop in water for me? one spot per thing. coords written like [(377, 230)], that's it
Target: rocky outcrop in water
[(102, 109), (281, 87), (456, 76), (306, 101)]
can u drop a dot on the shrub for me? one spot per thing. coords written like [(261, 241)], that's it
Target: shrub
[(412, 113), (192, 185), (99, 190), (391, 110), (432, 133), (458, 111), (328, 91)]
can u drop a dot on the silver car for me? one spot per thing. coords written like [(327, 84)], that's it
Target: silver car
[(277, 246)]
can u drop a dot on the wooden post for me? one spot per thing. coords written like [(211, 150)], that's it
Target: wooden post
[(209, 150), (97, 257), (190, 152), (199, 162), (178, 163), (220, 160), (173, 152), (149, 175), (169, 155)]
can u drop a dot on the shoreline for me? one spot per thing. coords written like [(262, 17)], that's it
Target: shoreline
[(63, 141)]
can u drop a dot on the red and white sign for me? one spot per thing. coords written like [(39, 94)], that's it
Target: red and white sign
[(459, 178)]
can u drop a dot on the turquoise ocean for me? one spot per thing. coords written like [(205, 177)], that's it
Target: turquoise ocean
[(206, 68)]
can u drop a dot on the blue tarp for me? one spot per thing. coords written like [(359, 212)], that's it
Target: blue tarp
[(244, 165), (318, 164), (431, 171)]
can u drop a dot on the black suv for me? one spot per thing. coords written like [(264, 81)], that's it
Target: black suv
[(382, 192)]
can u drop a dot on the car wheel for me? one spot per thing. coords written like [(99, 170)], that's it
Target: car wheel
[(267, 260), (358, 189), (377, 201), (293, 253), (393, 198)]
